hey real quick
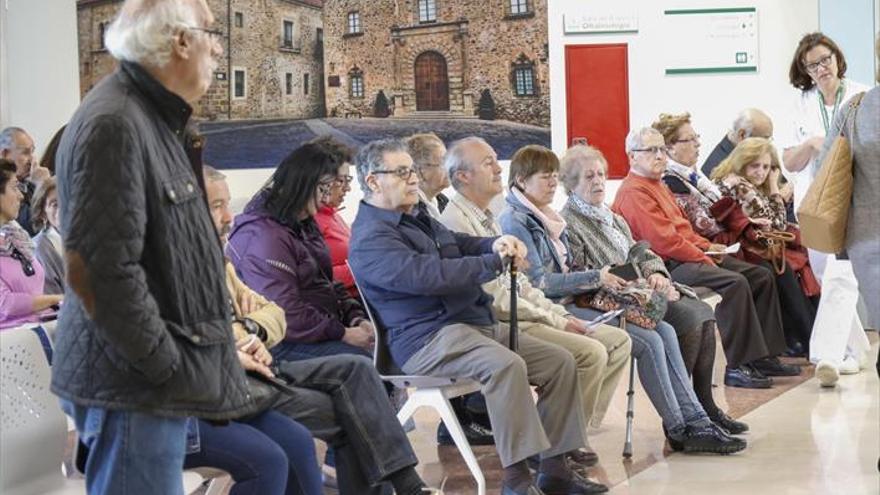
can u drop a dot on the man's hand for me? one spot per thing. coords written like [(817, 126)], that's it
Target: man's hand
[(719, 248), (256, 348), (358, 337), (249, 363), (659, 282), (578, 326), (247, 302), (367, 326), (510, 246), (610, 280)]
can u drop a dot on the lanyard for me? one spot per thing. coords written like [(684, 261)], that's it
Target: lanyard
[(825, 120)]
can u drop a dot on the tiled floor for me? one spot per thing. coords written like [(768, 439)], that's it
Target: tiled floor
[(802, 440)]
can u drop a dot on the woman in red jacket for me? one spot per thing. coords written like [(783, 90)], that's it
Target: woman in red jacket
[(335, 230)]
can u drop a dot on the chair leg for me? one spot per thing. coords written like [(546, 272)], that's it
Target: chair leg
[(441, 404), (435, 399), (630, 409)]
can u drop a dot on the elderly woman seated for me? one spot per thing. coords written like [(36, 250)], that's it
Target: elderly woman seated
[(720, 220), (750, 175), (533, 180), (44, 220), (22, 296), (277, 249), (599, 237)]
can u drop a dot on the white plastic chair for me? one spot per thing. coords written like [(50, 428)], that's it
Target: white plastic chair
[(429, 392), (32, 425)]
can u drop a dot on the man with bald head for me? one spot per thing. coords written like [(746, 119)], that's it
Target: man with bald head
[(750, 122), (144, 336)]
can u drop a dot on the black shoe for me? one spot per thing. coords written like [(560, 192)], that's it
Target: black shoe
[(476, 435), (746, 377), (729, 424), (576, 485), (796, 350), (675, 442), (579, 460), (710, 439), (773, 367)]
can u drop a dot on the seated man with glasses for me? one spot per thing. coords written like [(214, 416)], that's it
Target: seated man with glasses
[(425, 283), (748, 316)]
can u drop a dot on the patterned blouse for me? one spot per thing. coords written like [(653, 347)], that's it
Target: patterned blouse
[(756, 204)]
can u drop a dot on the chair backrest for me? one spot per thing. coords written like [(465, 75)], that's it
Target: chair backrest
[(32, 424), (381, 355)]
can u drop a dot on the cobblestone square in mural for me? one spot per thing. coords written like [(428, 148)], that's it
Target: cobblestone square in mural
[(263, 144)]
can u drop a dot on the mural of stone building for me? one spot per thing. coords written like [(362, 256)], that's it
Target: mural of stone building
[(431, 57), (272, 65)]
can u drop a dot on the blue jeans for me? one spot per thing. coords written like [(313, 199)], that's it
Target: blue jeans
[(661, 372), (268, 454), (130, 453)]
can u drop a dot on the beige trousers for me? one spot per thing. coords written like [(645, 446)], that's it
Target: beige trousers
[(600, 359)]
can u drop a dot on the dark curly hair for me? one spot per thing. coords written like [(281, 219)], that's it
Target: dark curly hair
[(798, 75)]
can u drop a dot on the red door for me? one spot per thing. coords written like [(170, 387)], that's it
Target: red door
[(597, 96), (432, 83)]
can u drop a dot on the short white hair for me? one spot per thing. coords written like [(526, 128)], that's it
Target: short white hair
[(455, 159), (636, 137), (144, 33)]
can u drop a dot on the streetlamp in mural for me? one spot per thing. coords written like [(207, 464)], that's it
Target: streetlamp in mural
[(292, 71)]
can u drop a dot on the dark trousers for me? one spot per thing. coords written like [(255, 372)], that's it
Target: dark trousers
[(749, 316), (267, 454), (798, 310), (342, 400), (295, 351)]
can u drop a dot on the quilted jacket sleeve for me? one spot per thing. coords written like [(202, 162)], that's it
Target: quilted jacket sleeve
[(104, 241)]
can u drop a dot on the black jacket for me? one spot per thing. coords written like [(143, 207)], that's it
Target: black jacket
[(145, 325)]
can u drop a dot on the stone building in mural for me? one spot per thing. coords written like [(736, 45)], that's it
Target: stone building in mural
[(272, 65), (437, 57)]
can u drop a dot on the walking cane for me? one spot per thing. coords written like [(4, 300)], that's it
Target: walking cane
[(514, 331)]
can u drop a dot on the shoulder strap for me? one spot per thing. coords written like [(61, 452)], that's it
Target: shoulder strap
[(851, 111)]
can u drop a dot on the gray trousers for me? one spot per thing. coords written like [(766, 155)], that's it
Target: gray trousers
[(521, 430)]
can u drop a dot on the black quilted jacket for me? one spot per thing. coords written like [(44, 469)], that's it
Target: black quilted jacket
[(144, 325)]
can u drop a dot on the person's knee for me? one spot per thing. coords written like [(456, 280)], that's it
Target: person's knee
[(590, 357), (510, 364)]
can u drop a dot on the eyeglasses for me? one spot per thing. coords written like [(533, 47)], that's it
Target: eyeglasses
[(213, 32), (26, 266), (824, 62), (343, 180), (693, 139), (653, 149), (403, 173)]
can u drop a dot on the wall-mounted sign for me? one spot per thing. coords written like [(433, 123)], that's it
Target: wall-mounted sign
[(600, 16), (711, 40), (220, 76)]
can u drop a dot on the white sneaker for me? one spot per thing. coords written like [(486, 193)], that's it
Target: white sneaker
[(827, 374), (850, 366)]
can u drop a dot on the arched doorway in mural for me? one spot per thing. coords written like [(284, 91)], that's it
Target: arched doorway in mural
[(432, 82)]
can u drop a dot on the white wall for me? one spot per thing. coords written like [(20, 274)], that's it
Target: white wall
[(712, 99), (853, 25), (39, 65)]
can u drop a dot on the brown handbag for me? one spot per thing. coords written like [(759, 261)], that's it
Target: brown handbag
[(824, 212)]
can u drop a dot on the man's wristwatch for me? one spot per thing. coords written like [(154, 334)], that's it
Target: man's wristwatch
[(254, 328)]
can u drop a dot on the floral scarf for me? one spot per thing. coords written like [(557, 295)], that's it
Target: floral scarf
[(696, 181), (12, 236), (554, 224)]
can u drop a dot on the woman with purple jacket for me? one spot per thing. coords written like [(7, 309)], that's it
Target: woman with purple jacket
[(278, 250)]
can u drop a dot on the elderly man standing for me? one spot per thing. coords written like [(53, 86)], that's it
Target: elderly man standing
[(440, 322), (750, 122), (143, 338), (749, 317), (17, 146), (600, 353)]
